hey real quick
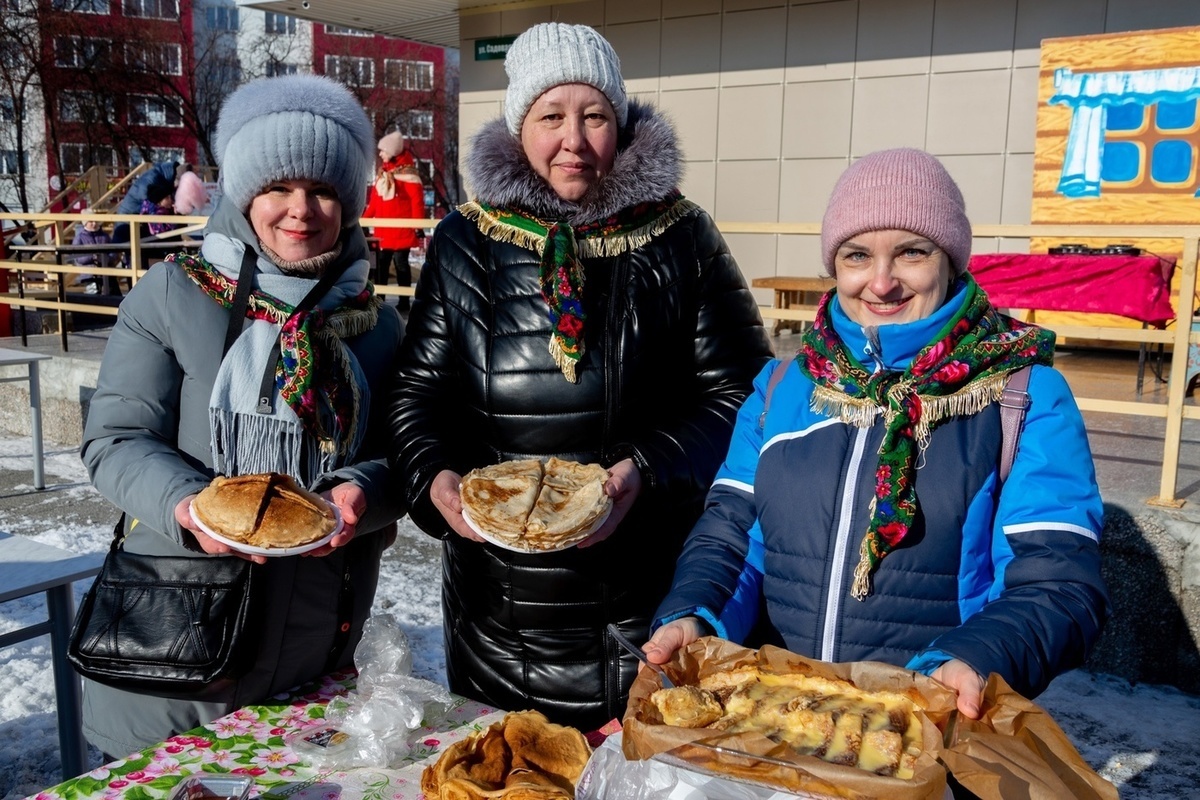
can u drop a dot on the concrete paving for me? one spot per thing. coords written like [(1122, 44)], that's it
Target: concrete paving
[(1151, 553)]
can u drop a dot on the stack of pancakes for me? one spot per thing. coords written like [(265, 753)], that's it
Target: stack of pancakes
[(267, 510), (534, 506)]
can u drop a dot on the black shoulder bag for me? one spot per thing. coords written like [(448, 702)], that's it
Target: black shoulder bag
[(167, 625)]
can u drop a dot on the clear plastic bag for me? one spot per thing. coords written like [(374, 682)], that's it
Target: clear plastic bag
[(371, 726)]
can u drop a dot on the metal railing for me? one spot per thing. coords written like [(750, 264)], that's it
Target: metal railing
[(1174, 412)]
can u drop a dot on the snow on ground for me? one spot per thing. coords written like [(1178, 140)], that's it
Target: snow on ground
[(1143, 738)]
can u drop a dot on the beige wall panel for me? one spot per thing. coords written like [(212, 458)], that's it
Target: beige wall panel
[(589, 13), (981, 179), (480, 76), (816, 119), (1022, 110), (637, 45), (691, 52), (750, 122), (514, 23), (618, 11), (1017, 203), (1141, 15), (799, 256), (686, 8), (471, 117), (747, 191), (694, 112), (969, 36), (805, 188), (478, 26), (755, 256), (968, 112), (699, 184), (895, 37), (889, 112), (821, 41), (1038, 19), (750, 5), (753, 47)]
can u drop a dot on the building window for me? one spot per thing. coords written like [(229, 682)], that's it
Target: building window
[(350, 70), (415, 76), (156, 155), (85, 107), (279, 23), (80, 53), (78, 158), (12, 162), (158, 57), (151, 9), (416, 124), (221, 18), (279, 68), (338, 30), (8, 110), (153, 111), (81, 6)]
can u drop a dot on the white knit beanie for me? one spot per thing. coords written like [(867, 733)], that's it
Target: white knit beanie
[(295, 127), (551, 54)]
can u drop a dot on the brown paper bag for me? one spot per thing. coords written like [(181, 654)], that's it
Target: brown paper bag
[(1015, 750), (755, 757)]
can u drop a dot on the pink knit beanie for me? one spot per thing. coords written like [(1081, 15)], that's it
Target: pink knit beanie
[(902, 189), (392, 145)]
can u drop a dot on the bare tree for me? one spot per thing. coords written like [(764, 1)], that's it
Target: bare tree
[(21, 61)]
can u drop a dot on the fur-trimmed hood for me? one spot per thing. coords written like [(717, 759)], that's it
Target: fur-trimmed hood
[(648, 167)]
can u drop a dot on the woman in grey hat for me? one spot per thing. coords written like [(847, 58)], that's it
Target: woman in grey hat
[(579, 307), (173, 408)]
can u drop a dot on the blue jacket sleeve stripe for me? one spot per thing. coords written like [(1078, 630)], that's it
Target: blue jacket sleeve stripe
[(747, 488), (789, 435), (1030, 527)]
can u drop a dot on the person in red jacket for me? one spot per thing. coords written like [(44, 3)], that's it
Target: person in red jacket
[(397, 192)]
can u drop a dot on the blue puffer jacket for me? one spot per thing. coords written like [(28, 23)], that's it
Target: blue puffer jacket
[(1006, 581)]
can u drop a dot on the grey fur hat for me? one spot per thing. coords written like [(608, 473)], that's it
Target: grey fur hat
[(295, 127), (554, 53)]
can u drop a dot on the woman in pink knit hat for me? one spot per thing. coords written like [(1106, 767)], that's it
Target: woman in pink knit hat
[(870, 507), (396, 193)]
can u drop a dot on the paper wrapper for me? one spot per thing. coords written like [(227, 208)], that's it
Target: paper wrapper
[(1016, 750)]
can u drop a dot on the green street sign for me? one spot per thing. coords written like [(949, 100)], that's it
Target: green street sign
[(492, 49)]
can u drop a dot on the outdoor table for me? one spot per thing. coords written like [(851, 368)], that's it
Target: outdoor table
[(793, 292), (250, 741), (30, 360), (28, 567)]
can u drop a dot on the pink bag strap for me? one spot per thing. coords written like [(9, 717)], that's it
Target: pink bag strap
[(1013, 405)]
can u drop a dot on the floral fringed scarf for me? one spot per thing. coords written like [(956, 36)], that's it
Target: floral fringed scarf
[(560, 248), (311, 361), (960, 374)]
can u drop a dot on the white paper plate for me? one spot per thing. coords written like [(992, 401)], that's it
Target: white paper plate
[(242, 547), (517, 549)]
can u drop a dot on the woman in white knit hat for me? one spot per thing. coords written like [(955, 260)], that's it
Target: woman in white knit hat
[(188, 390), (578, 307), (397, 193), (921, 538)]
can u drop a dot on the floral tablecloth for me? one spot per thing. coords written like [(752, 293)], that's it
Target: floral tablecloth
[(251, 741)]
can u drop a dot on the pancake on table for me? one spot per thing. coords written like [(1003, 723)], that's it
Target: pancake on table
[(534, 506), (266, 510)]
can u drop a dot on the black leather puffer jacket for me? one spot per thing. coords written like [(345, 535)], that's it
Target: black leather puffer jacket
[(673, 339)]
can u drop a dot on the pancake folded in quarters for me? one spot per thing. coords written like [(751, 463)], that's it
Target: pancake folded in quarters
[(267, 510), (532, 506)]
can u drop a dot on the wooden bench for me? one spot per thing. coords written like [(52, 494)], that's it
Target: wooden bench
[(794, 293)]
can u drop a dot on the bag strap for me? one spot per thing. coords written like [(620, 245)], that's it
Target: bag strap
[(1013, 405), (241, 299), (776, 376)]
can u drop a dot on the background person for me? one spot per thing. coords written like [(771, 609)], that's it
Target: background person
[(865, 513), (160, 175), (170, 412), (90, 232), (397, 193), (578, 307)]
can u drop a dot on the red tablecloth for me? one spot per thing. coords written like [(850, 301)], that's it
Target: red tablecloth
[(1137, 287)]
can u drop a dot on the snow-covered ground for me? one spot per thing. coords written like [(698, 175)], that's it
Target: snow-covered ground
[(1143, 738)]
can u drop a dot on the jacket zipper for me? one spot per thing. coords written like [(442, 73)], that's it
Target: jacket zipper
[(611, 357), (841, 546)]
